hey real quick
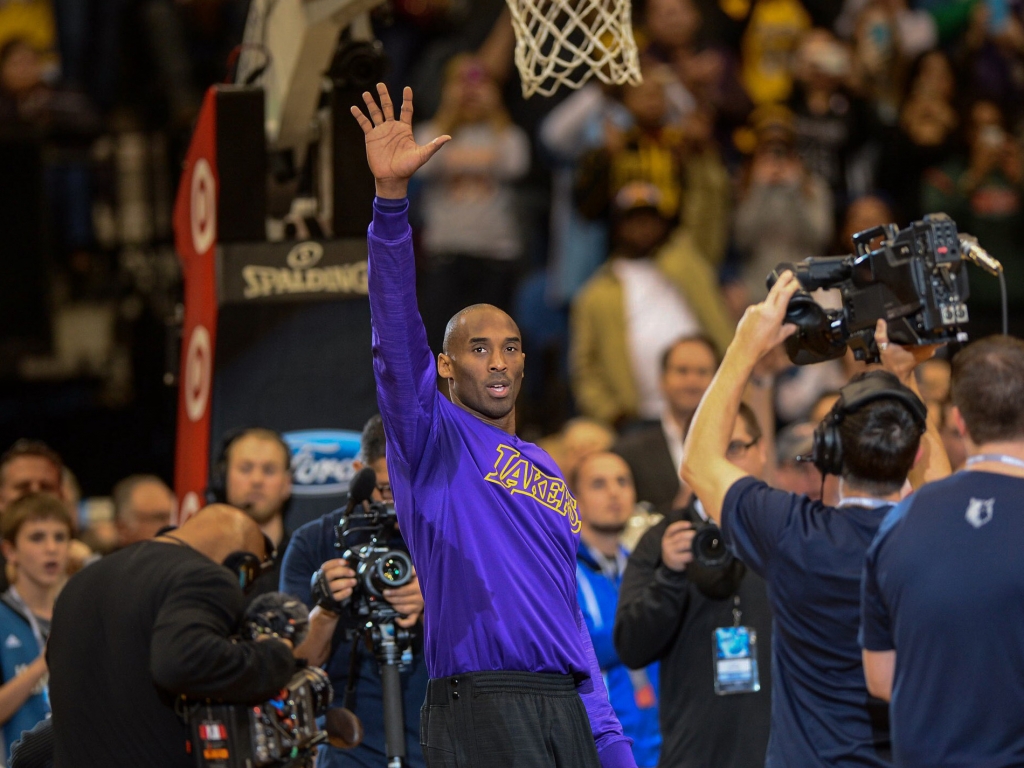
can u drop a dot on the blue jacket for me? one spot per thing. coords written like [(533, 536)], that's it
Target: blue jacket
[(311, 546), (633, 693), (18, 649)]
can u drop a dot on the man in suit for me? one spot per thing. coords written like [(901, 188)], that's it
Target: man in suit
[(655, 452)]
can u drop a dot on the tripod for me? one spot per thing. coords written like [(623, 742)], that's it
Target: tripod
[(389, 642)]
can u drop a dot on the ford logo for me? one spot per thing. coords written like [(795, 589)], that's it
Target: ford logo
[(304, 255), (322, 461)]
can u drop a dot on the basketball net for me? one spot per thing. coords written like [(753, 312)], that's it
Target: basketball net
[(566, 42)]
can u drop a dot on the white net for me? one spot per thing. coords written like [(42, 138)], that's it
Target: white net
[(566, 42)]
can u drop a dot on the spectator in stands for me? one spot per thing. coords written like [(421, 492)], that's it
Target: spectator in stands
[(784, 211), (769, 41), (942, 581), (926, 135), (983, 191), (679, 34), (29, 466), (669, 609), (830, 122), (254, 475), (605, 499), (313, 550), (36, 533), (581, 437), (65, 119), (655, 452), (655, 288), (471, 228), (673, 155), (881, 57), (812, 555), (143, 504)]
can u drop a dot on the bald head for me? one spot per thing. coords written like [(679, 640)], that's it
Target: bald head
[(219, 529), (463, 322)]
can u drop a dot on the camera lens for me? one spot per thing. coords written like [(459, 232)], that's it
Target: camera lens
[(708, 547), (391, 570)]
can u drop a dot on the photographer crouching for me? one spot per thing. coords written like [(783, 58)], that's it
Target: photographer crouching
[(812, 555), (149, 624), (342, 607)]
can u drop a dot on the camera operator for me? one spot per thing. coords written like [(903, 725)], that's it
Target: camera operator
[(812, 555), (941, 611), (312, 547), (668, 609), (151, 623)]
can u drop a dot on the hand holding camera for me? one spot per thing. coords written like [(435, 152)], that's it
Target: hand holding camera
[(333, 584), (677, 545)]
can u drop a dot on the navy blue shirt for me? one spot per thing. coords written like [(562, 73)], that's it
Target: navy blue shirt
[(811, 557), (944, 588), (310, 547)]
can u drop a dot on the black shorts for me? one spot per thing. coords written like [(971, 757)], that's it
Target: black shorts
[(506, 719)]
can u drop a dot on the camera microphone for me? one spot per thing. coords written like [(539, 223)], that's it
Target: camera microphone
[(361, 488), (278, 615), (974, 253)]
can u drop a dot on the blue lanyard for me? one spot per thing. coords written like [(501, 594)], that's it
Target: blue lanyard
[(863, 501), (1000, 458)]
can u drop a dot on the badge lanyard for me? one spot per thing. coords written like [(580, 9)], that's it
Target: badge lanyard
[(863, 501), (734, 655), (1000, 458)]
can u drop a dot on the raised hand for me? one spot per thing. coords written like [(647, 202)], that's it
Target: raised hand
[(391, 151), (761, 328)]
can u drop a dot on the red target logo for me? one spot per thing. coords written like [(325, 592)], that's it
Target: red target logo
[(189, 506), (204, 207), (198, 367)]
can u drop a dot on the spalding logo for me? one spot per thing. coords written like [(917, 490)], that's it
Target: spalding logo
[(304, 255), (322, 461)]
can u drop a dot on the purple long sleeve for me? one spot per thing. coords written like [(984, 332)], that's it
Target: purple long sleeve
[(489, 521)]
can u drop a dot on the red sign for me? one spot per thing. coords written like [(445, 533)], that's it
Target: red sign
[(195, 239)]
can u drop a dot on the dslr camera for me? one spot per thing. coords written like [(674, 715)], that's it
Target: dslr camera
[(915, 280), (714, 570), (364, 535)]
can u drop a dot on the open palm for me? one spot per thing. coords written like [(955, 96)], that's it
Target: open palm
[(391, 151)]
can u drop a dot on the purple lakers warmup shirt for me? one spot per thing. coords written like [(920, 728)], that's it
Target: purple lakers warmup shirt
[(491, 526)]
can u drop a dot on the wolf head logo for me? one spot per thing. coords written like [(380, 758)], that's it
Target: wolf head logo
[(980, 511)]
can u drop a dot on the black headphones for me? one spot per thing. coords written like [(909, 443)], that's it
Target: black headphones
[(827, 450), (247, 567), (217, 486)]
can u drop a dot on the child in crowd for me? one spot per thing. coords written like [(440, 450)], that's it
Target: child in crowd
[(36, 532)]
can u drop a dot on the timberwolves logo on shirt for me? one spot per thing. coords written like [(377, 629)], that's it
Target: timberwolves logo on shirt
[(980, 511), (518, 475)]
